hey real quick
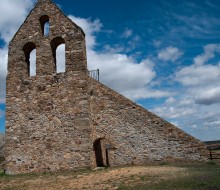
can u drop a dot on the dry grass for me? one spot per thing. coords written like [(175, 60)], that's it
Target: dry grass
[(137, 177)]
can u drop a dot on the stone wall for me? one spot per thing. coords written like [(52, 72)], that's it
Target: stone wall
[(2, 150), (137, 135), (2, 144)]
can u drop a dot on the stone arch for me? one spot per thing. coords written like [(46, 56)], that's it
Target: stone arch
[(45, 25), (101, 147), (54, 45), (28, 48)]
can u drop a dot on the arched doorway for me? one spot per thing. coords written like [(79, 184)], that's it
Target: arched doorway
[(101, 147), (98, 153)]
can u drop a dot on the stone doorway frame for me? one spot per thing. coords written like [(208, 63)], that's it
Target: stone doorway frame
[(101, 147)]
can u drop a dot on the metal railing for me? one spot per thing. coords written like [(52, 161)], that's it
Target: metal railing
[(94, 74)]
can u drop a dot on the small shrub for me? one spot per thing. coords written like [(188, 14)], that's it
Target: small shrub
[(211, 162)]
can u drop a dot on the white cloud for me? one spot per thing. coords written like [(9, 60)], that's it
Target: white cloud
[(89, 27), (207, 95), (209, 52), (12, 15), (170, 54), (173, 108), (3, 73), (113, 48), (125, 75), (198, 120), (198, 75)]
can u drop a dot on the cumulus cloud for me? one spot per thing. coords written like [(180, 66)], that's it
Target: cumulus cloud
[(194, 75), (170, 54), (208, 97), (125, 75)]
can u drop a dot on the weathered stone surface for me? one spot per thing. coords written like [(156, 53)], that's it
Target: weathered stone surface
[(61, 121), (2, 143), (2, 150), (139, 135)]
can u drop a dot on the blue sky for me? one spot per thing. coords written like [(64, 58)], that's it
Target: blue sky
[(164, 55)]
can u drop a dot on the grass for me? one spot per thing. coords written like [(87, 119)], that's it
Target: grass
[(165, 177), (200, 177)]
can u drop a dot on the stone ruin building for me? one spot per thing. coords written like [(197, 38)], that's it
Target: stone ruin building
[(66, 121)]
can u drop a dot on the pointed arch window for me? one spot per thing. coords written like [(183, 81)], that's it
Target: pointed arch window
[(30, 57), (58, 50), (45, 25)]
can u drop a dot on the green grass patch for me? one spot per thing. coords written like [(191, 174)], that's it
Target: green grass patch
[(201, 177)]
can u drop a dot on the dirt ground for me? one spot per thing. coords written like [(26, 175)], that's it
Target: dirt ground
[(93, 180)]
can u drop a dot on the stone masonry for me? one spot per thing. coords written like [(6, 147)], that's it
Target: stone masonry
[(2, 145), (65, 121)]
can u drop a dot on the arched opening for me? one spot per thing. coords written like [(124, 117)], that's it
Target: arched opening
[(32, 69), (58, 50), (30, 57), (45, 25), (60, 59), (98, 153), (101, 152)]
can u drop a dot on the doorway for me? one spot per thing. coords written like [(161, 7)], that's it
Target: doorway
[(101, 153)]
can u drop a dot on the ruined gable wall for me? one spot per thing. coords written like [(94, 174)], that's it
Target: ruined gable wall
[(138, 135), (30, 31), (47, 115)]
